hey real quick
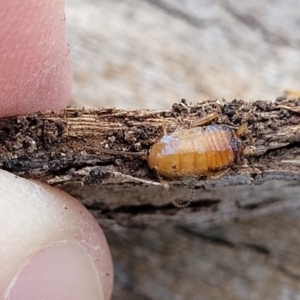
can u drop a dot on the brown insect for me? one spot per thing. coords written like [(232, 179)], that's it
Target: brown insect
[(196, 151)]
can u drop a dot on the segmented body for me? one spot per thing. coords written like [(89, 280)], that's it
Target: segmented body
[(195, 152)]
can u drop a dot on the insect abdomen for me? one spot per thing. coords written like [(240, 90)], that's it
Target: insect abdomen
[(194, 152)]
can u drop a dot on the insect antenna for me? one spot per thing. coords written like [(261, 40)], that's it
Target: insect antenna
[(177, 205), (166, 187), (191, 197)]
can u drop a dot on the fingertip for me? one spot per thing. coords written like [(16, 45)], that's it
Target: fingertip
[(35, 66), (41, 225)]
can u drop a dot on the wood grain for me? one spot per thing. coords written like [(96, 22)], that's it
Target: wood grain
[(69, 145), (76, 148)]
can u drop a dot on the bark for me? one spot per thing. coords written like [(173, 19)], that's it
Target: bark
[(82, 151)]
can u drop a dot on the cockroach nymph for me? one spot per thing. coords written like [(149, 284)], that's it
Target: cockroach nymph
[(196, 151)]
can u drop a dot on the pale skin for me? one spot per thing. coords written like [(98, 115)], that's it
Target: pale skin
[(50, 246)]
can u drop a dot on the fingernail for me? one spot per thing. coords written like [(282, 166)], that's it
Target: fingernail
[(60, 271)]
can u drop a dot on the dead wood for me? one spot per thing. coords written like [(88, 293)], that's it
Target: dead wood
[(70, 147)]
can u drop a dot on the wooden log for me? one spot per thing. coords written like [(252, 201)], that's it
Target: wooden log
[(68, 148)]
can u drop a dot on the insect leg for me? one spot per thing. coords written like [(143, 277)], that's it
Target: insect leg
[(218, 174), (241, 129), (250, 151)]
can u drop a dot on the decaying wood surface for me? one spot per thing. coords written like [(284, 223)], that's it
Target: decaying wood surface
[(69, 148), (71, 145)]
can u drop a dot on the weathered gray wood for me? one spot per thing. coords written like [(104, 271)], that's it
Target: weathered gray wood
[(254, 259), (149, 206), (148, 54)]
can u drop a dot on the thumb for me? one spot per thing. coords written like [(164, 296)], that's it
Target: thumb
[(51, 247)]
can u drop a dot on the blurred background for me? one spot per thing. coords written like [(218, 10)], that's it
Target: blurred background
[(151, 53)]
